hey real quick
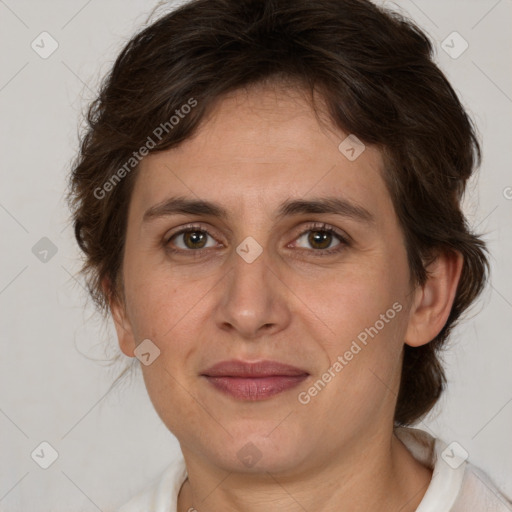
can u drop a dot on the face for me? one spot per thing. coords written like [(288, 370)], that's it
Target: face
[(322, 287)]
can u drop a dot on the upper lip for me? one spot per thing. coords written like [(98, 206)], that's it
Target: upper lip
[(238, 368)]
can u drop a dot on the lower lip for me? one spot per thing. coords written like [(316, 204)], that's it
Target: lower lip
[(255, 388)]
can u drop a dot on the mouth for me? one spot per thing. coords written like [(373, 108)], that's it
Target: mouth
[(252, 381)]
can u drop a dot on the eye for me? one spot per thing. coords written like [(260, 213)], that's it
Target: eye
[(322, 239), (191, 238)]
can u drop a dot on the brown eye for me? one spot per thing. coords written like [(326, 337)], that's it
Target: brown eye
[(194, 239), (320, 239), (191, 239)]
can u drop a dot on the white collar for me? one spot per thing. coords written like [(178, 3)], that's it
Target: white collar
[(448, 468)]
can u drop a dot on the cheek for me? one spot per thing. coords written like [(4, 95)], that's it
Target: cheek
[(345, 304), (150, 308), (166, 311), (159, 298), (367, 317)]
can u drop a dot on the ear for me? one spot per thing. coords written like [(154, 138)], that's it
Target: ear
[(121, 322), (433, 301)]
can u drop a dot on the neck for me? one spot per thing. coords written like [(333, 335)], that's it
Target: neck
[(385, 477)]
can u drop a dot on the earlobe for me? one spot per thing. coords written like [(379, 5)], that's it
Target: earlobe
[(121, 323), (433, 301)]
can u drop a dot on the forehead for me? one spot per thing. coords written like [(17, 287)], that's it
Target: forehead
[(259, 147)]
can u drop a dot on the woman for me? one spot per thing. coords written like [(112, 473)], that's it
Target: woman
[(268, 197)]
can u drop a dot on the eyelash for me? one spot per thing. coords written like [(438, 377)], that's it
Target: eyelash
[(322, 227)]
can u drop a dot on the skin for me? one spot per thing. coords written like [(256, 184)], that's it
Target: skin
[(257, 148)]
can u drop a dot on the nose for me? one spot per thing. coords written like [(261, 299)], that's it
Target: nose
[(253, 300)]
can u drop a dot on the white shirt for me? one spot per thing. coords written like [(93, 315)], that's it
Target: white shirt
[(456, 485)]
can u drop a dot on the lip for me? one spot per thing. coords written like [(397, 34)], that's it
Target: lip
[(254, 380)]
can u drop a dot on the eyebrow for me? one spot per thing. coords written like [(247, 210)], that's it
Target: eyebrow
[(291, 207)]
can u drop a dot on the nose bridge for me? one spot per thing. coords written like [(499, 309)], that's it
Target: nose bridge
[(252, 301)]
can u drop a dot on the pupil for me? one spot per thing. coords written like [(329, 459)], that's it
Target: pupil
[(321, 238), (195, 237)]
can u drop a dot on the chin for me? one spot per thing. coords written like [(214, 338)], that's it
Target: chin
[(269, 450)]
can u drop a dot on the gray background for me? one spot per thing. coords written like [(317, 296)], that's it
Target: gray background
[(53, 384)]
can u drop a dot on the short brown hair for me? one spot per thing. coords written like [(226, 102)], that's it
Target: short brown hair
[(375, 71)]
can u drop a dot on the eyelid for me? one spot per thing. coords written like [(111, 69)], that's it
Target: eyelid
[(344, 239), (323, 226), (189, 227)]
